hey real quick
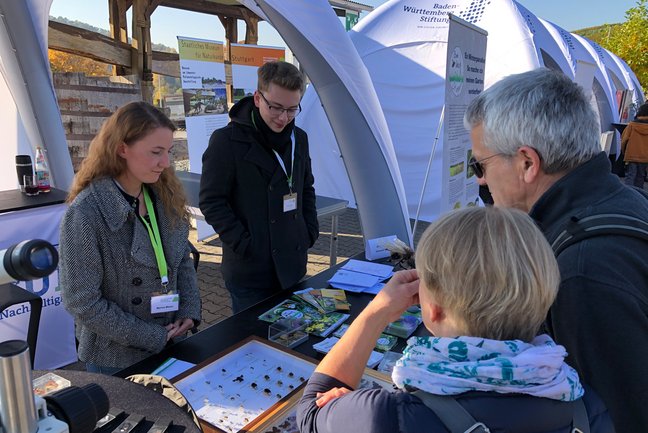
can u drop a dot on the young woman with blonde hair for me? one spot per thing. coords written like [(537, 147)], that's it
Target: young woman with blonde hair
[(126, 273)]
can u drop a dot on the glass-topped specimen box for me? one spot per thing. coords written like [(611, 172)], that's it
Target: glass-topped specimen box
[(244, 384)]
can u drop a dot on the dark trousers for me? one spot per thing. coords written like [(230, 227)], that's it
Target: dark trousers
[(635, 174), (245, 297)]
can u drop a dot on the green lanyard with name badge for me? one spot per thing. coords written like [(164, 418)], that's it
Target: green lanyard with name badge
[(289, 200), (156, 240), (168, 301)]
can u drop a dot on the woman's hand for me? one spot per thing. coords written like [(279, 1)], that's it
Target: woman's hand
[(179, 327), (331, 394), (399, 293)]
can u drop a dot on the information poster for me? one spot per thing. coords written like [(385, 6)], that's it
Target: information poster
[(202, 72), (205, 99), (466, 62)]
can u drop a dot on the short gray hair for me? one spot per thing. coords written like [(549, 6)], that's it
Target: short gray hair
[(542, 109)]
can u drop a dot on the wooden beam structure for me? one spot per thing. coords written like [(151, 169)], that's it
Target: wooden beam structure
[(138, 57), (84, 43), (207, 7), (119, 28), (80, 42)]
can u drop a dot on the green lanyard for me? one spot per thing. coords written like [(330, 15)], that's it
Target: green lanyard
[(292, 162), (156, 240)]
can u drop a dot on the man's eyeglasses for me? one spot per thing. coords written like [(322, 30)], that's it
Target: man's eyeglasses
[(277, 111), (478, 166)]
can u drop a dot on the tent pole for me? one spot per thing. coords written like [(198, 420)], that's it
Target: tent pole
[(427, 171)]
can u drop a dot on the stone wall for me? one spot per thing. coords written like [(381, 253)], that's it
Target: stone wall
[(85, 103)]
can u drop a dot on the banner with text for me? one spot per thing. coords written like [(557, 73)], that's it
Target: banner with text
[(465, 65), (202, 72), (246, 59), (55, 346)]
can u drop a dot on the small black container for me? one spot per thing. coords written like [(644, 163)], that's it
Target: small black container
[(23, 168)]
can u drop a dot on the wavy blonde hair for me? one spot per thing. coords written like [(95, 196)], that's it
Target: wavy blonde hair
[(129, 124), (492, 268)]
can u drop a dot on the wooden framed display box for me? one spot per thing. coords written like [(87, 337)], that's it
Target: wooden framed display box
[(284, 419), (244, 385)]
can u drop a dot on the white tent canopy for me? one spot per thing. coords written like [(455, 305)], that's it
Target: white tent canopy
[(403, 45), (30, 117)]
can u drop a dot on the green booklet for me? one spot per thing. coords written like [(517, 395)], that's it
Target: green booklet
[(319, 324)]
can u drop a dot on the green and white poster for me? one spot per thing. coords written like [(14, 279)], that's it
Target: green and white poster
[(465, 65)]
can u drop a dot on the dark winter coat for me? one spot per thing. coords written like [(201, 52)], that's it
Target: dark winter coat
[(241, 196), (601, 312)]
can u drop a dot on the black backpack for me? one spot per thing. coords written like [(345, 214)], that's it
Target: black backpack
[(457, 419), (599, 225)]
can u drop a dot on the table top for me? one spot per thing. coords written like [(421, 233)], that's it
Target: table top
[(13, 199), (326, 206), (220, 336), (131, 398)]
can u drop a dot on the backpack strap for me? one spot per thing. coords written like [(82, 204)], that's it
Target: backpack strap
[(580, 422), (599, 225), (451, 413), (457, 419)]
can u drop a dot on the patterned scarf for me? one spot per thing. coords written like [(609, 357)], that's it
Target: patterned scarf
[(449, 366)]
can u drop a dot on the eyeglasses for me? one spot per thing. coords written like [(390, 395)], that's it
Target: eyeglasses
[(478, 166), (277, 111)]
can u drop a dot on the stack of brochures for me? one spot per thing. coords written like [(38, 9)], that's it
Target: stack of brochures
[(319, 324), (361, 277), (325, 300)]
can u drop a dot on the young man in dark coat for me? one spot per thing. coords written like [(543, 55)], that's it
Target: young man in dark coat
[(256, 189), (535, 141)]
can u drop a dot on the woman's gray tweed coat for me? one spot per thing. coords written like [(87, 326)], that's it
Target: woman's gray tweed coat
[(108, 272)]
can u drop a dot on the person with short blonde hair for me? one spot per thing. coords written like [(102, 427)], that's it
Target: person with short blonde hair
[(490, 300), (124, 248), (485, 278)]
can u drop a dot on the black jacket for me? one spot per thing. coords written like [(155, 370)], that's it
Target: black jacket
[(601, 312), (241, 196), (381, 411)]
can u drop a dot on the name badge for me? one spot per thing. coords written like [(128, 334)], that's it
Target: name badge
[(165, 303), (290, 202)]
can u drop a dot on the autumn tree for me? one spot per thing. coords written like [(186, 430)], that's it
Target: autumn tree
[(628, 40), (64, 62)]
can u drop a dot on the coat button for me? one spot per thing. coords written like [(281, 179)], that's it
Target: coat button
[(275, 251), (137, 281), (136, 301), (270, 188), (272, 221)]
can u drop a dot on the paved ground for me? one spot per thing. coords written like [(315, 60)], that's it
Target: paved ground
[(216, 301)]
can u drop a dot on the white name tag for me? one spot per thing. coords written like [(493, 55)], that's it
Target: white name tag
[(290, 202), (165, 303)]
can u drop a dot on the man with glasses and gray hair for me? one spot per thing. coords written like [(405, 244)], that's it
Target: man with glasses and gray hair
[(256, 189), (535, 143)]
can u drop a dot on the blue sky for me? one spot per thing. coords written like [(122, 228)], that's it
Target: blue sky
[(168, 23)]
